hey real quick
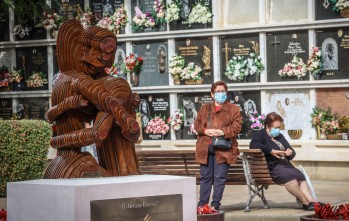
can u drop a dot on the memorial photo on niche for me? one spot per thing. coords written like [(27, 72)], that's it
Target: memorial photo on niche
[(334, 45), (154, 111)]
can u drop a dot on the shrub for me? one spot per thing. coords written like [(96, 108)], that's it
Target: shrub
[(23, 150)]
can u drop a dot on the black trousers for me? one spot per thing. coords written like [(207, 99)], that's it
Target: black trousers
[(216, 174)]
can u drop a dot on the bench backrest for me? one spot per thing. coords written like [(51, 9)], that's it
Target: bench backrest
[(183, 163)]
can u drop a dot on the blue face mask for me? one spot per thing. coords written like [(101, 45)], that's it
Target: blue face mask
[(220, 97), (274, 132)]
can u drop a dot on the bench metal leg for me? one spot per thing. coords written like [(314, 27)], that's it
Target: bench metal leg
[(256, 191)]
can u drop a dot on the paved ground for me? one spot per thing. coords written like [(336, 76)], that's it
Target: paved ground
[(283, 205)]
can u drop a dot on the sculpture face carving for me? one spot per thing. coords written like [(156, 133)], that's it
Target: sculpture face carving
[(83, 92)]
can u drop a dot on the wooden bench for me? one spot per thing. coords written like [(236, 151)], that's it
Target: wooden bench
[(251, 169)]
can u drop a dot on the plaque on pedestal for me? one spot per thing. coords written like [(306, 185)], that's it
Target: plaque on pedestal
[(146, 6), (5, 109), (281, 48), (151, 106), (34, 108), (191, 104), (199, 51), (323, 10), (238, 45), (334, 44), (186, 8), (4, 24), (154, 70)]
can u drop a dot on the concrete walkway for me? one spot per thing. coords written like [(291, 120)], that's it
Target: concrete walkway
[(283, 206)]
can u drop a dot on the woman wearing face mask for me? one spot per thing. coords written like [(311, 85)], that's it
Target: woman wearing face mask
[(219, 118), (278, 154)]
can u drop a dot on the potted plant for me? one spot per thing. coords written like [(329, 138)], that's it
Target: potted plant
[(16, 77), (133, 65), (37, 81), (4, 79), (191, 74), (314, 63), (157, 126), (326, 212), (176, 67), (176, 122), (296, 68), (207, 213)]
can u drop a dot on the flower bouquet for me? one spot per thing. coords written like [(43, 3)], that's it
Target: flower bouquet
[(236, 68), (157, 125), (36, 80), (191, 74), (173, 10), (206, 209), (314, 63), (176, 121), (51, 22), (176, 67), (21, 30), (200, 14), (296, 68), (254, 65), (342, 6), (87, 18), (16, 77), (207, 212), (159, 11), (325, 122), (4, 79), (328, 212), (257, 121), (133, 65), (120, 19), (142, 20)]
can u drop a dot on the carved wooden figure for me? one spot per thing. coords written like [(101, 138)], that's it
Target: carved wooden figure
[(83, 92)]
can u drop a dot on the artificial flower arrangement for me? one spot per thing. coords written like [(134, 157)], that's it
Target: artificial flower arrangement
[(157, 125), (112, 71), (37, 79), (133, 64), (342, 6), (159, 11), (257, 121), (176, 66), (51, 20), (114, 22), (191, 72), (4, 77), (206, 209), (328, 212), (296, 68), (326, 121), (172, 11), (142, 20), (87, 18), (176, 121), (21, 31), (16, 76), (236, 68), (314, 63), (200, 14)]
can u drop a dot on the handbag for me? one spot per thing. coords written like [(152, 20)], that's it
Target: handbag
[(220, 142)]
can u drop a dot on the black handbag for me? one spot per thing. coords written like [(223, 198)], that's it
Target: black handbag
[(220, 142)]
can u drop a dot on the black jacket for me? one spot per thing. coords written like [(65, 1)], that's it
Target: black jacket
[(261, 140)]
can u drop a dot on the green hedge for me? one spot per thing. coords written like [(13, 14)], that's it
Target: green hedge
[(23, 150)]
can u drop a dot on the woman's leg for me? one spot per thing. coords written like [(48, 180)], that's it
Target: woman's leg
[(220, 177), (293, 188), (206, 179), (306, 191)]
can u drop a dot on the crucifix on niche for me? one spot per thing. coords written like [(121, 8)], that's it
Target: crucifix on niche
[(276, 43), (226, 49)]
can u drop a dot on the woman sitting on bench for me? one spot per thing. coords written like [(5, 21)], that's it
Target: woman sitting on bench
[(278, 154)]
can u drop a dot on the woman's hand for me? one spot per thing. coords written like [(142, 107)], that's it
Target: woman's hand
[(288, 152), (209, 132), (277, 153), (218, 133)]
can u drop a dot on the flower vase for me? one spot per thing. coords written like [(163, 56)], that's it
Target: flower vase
[(179, 134), (334, 137), (246, 79), (322, 136), (17, 86), (258, 78), (345, 12), (134, 79), (176, 80), (116, 31), (317, 76)]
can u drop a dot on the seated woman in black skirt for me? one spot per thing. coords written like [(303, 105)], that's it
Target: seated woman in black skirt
[(278, 154)]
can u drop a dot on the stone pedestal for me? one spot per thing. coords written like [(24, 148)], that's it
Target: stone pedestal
[(70, 199)]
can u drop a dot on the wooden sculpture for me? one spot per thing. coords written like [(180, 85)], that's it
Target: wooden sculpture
[(83, 92)]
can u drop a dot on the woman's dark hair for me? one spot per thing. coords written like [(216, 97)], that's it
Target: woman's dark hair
[(271, 118), (218, 83)]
